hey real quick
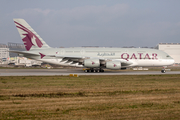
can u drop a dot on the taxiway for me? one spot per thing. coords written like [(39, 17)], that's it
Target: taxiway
[(51, 72)]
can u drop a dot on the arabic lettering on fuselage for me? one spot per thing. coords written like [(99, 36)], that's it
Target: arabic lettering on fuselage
[(106, 54), (127, 56)]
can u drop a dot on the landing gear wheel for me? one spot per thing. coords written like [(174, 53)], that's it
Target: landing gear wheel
[(163, 71), (93, 70)]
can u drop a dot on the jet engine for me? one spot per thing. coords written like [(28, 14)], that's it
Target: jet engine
[(92, 63), (115, 65)]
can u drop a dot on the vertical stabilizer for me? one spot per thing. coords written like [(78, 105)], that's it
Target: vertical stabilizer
[(30, 38)]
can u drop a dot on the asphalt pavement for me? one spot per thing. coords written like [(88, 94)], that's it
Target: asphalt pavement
[(51, 72)]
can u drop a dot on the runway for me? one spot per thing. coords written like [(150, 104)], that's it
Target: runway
[(51, 72)]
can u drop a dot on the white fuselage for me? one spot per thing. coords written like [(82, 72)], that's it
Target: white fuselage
[(136, 56)]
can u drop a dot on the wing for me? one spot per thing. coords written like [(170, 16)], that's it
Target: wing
[(70, 59), (80, 59)]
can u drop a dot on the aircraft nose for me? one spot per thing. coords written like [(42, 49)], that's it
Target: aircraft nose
[(172, 61)]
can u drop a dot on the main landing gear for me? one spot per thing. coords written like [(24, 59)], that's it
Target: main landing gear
[(93, 70)]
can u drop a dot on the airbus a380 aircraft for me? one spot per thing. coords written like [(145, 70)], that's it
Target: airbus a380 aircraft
[(95, 59)]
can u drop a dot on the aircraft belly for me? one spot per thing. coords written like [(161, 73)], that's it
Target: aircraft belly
[(147, 62), (161, 62)]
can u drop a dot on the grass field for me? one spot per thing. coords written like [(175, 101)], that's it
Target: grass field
[(90, 97)]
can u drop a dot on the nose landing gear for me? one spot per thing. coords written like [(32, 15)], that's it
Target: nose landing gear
[(163, 70)]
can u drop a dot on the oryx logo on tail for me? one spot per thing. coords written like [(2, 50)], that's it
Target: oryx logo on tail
[(29, 39)]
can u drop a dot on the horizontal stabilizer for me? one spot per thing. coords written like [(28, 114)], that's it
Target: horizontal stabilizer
[(24, 53)]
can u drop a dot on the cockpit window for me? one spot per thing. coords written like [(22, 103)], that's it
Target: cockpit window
[(168, 56)]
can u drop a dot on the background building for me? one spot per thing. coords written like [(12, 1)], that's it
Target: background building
[(173, 49), (16, 47), (13, 58), (4, 54)]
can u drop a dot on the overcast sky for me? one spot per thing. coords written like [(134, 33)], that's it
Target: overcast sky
[(75, 23)]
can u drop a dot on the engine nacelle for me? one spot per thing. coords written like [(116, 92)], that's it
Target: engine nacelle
[(92, 63), (115, 65)]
